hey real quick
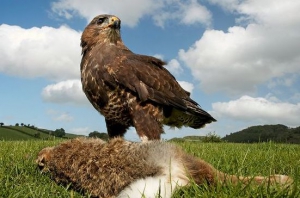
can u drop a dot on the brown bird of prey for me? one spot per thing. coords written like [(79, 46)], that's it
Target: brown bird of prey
[(130, 89)]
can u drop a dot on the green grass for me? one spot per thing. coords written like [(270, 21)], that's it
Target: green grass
[(247, 160), (19, 176)]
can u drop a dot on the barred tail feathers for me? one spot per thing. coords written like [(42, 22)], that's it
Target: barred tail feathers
[(193, 117)]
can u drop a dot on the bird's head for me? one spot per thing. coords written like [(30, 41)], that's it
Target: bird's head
[(103, 28)]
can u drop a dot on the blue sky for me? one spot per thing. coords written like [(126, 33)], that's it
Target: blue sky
[(239, 58)]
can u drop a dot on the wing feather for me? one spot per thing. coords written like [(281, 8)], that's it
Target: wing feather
[(146, 76)]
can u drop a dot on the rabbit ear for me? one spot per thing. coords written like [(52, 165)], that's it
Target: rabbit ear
[(40, 161), (43, 158)]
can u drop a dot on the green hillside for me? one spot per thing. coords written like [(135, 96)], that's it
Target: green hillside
[(9, 134), (28, 133), (277, 133)]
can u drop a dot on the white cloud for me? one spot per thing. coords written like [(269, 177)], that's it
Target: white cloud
[(282, 12), (69, 91), (65, 117), (186, 86), (264, 12), (159, 56), (238, 61), (91, 8), (295, 97), (174, 67), (80, 131), (260, 110), (40, 52), (286, 81), (60, 116), (187, 12), (272, 98), (195, 13)]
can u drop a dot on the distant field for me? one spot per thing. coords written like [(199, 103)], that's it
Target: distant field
[(27, 133), (8, 134), (19, 176)]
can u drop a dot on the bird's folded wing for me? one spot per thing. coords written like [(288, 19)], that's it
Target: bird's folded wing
[(146, 76)]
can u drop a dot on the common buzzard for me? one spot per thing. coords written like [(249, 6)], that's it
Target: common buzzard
[(130, 89)]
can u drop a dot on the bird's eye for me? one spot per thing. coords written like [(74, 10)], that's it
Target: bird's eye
[(100, 21)]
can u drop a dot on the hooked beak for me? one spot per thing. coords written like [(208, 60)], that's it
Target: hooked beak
[(114, 22)]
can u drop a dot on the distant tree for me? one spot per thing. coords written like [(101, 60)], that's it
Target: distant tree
[(1, 123), (59, 132), (22, 124), (296, 130), (17, 124), (265, 133), (177, 140), (96, 134), (211, 137), (37, 135)]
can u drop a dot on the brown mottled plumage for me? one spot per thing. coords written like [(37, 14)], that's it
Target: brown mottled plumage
[(126, 169), (130, 89)]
